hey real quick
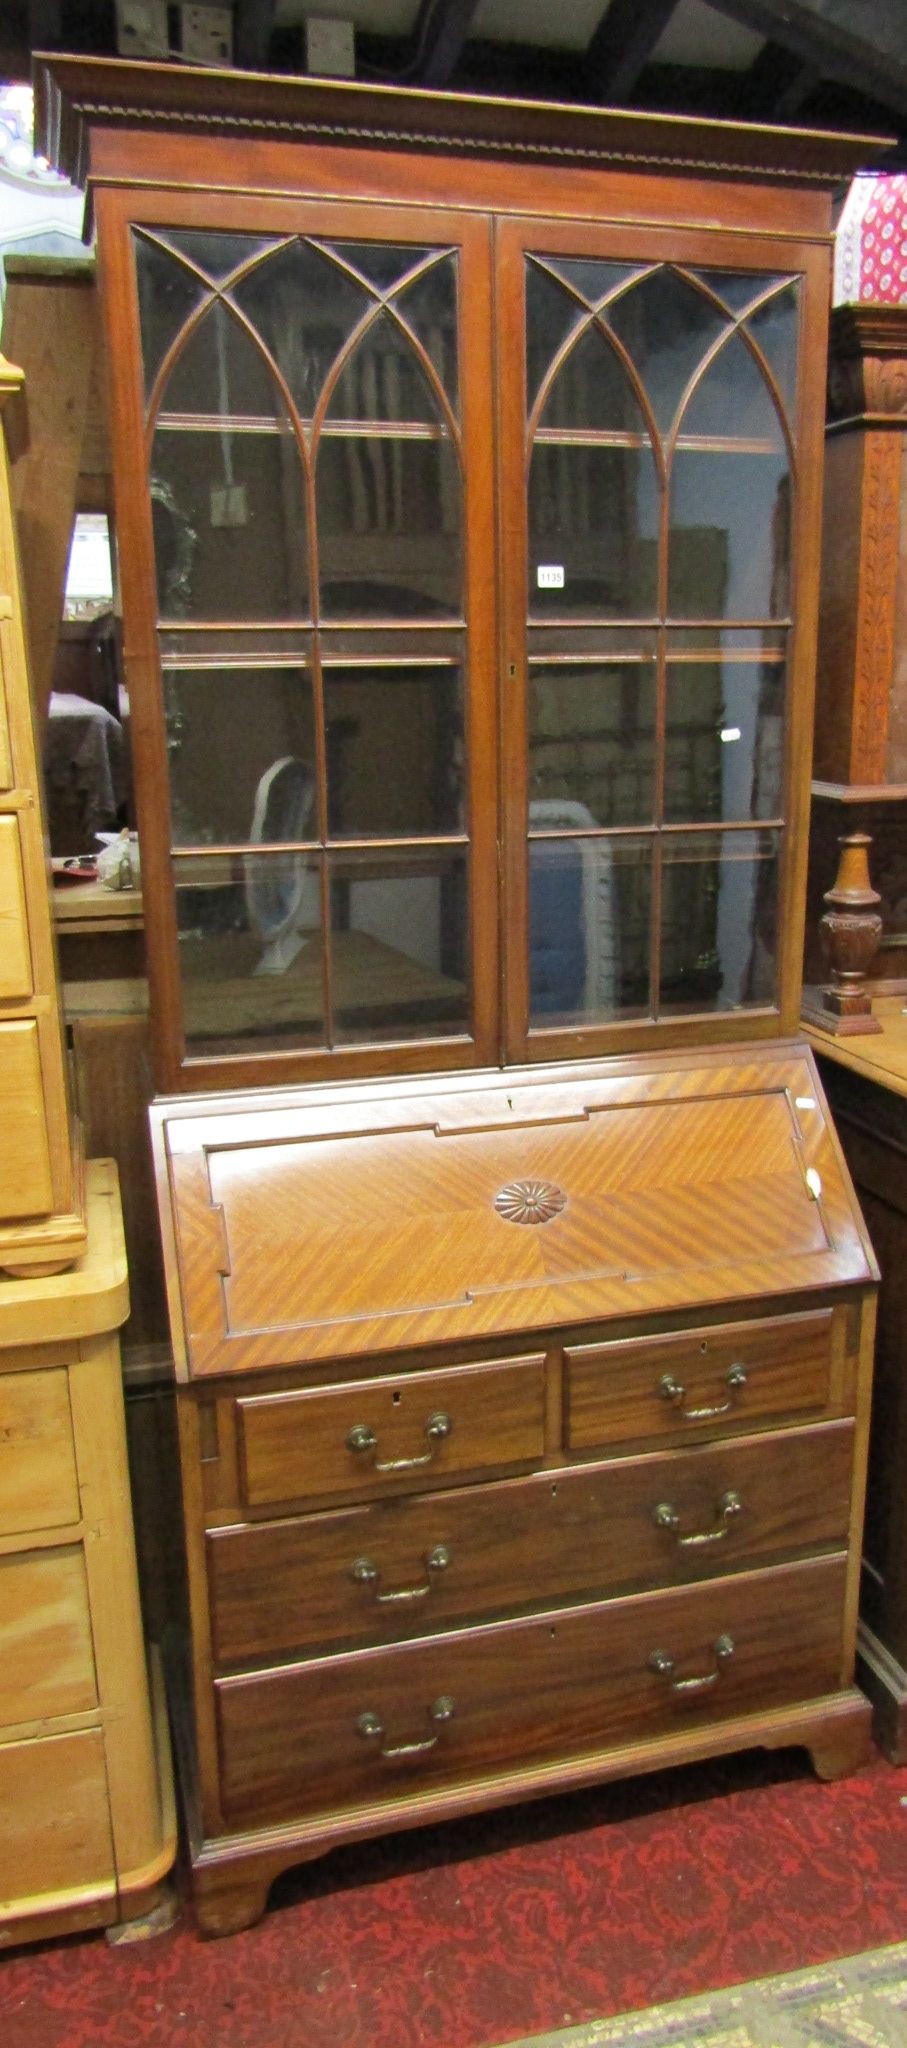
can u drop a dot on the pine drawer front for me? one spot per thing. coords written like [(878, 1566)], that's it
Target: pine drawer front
[(26, 1187), (375, 1435), (346, 1731), (56, 1834), (671, 1388), (46, 1652), (15, 956), (39, 1488), (403, 1567)]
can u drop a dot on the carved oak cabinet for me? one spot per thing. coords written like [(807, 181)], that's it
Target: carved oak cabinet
[(468, 480)]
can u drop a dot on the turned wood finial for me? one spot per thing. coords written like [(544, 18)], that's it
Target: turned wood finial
[(850, 932)]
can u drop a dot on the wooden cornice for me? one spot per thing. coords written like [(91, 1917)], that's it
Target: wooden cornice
[(868, 331), (867, 367), (75, 95)]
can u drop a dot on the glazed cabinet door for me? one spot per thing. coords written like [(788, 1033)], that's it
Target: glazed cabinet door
[(659, 463), (308, 585)]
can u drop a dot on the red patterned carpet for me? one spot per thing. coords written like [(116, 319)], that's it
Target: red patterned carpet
[(515, 1924)]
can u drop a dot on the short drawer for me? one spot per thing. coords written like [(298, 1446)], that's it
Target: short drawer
[(38, 1484), (15, 957), (670, 1388), (403, 1567), (46, 1652), (26, 1182), (370, 1437), (385, 1724)]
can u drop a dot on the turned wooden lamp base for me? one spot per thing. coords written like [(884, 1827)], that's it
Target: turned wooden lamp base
[(850, 933), (820, 1009)]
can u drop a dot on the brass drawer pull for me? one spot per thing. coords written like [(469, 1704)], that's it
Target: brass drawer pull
[(367, 1573), (672, 1389), (666, 1517), (663, 1665), (362, 1438), (371, 1728)]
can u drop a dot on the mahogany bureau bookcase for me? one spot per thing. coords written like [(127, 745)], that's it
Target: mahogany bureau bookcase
[(468, 471)]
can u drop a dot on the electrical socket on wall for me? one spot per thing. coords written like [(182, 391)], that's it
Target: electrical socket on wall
[(330, 47), (142, 28), (206, 35)]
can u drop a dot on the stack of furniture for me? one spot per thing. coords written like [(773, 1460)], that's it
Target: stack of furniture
[(42, 1210), (89, 1828), (467, 463), (88, 1831), (861, 760)]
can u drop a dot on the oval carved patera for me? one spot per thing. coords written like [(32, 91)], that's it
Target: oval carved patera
[(530, 1201)]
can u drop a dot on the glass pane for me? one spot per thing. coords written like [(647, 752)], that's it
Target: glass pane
[(383, 379), (383, 264), (593, 520), (733, 398), (718, 921), (430, 308), (724, 741), (592, 390), (167, 296), (738, 288), (399, 945), (241, 743), (221, 371), (710, 642), (389, 527), (591, 745), (729, 548), (589, 918), (551, 314), (589, 276), (187, 646), (666, 326), (395, 751), (217, 252), (775, 328), (250, 952), (305, 308), (229, 525)]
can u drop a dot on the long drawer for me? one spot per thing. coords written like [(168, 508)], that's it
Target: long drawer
[(364, 1729), (699, 1381), (370, 1436), (46, 1649), (400, 1567), (39, 1487), (56, 1835)]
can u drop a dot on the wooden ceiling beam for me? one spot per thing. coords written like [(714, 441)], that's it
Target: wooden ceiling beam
[(440, 33), (622, 45), (832, 52), (253, 26), (777, 85)]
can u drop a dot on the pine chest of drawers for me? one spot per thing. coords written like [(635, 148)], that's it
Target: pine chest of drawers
[(523, 1423)]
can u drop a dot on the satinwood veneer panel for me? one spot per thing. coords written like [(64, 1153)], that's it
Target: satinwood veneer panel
[(351, 1223)]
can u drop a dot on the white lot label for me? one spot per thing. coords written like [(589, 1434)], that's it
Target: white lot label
[(549, 576)]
